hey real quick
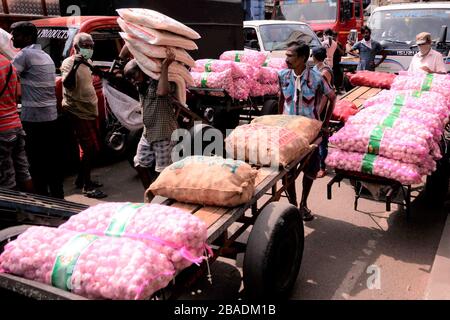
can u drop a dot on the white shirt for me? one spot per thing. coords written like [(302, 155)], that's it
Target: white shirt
[(432, 60), (330, 50)]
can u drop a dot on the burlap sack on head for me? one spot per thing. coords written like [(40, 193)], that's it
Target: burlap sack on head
[(202, 180), (307, 128), (265, 145)]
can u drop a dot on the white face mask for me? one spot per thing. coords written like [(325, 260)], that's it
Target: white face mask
[(86, 53)]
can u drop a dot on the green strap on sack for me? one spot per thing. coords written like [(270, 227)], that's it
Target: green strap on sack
[(208, 65), (237, 57), (67, 259), (426, 86), (204, 80), (121, 218), (368, 163)]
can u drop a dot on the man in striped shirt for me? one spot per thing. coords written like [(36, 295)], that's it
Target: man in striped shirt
[(39, 115), (14, 168)]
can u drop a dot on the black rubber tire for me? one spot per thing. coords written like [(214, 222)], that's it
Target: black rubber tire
[(269, 107), (274, 253), (10, 234), (197, 132)]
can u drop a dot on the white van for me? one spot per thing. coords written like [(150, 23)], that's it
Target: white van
[(273, 36), (396, 26)]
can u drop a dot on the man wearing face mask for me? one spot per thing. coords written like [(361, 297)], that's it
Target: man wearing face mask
[(80, 103), (427, 60), (39, 115), (368, 49)]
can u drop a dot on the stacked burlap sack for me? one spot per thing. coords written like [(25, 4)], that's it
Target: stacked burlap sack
[(396, 135), (147, 33), (242, 74), (110, 251), (272, 140)]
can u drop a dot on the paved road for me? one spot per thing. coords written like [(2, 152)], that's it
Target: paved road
[(340, 244)]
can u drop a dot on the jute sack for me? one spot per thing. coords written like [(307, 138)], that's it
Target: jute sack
[(156, 37), (203, 180), (307, 128), (153, 51), (6, 47), (265, 145), (153, 19)]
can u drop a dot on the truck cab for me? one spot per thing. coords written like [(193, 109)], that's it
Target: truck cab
[(338, 15), (273, 36), (396, 27)]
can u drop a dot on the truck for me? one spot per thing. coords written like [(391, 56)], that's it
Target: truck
[(15, 10), (396, 27), (273, 36), (338, 15)]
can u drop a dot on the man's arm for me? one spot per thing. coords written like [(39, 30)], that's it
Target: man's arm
[(70, 80), (163, 83), (383, 57), (440, 65)]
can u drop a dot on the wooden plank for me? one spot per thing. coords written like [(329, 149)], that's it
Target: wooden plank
[(369, 94), (211, 215), (359, 102), (186, 206), (263, 173), (352, 95)]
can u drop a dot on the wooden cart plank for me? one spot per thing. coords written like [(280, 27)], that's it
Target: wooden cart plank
[(263, 173), (211, 215), (369, 94), (186, 206), (355, 93), (358, 103)]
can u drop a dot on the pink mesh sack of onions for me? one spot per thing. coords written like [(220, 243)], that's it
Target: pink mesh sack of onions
[(374, 165), (238, 70), (237, 88), (88, 265), (377, 113), (391, 143), (258, 90), (423, 82), (267, 75), (173, 232), (275, 63), (430, 102), (252, 57)]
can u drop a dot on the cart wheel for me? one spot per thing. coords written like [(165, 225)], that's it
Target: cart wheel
[(269, 107), (197, 133), (10, 234), (274, 252)]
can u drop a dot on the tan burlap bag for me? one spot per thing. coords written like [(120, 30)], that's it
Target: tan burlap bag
[(304, 127), (265, 145), (206, 180)]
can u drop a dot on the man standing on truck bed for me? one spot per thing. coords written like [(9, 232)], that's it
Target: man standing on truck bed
[(14, 166), (368, 49), (155, 148), (302, 90), (80, 103), (427, 60), (39, 114)]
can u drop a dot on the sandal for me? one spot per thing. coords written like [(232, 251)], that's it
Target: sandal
[(95, 193), (306, 214)]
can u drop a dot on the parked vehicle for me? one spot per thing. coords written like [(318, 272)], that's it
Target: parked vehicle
[(396, 27), (273, 36), (338, 15), (14, 10)]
